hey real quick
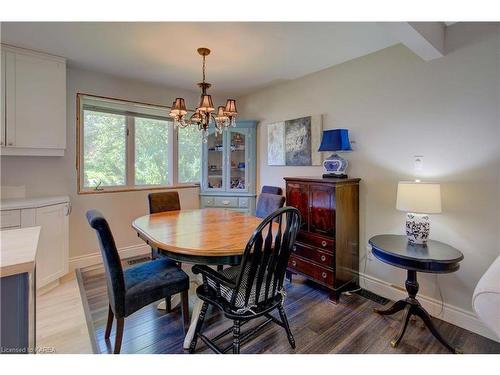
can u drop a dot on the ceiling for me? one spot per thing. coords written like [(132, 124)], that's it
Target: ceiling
[(245, 56)]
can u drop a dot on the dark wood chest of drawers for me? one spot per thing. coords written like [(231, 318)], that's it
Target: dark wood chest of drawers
[(327, 249)]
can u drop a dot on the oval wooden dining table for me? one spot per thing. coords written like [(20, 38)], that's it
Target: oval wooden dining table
[(211, 236)]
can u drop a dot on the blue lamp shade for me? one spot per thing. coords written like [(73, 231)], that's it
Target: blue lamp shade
[(335, 140)]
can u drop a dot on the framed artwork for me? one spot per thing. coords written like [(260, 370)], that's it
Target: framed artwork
[(295, 142)]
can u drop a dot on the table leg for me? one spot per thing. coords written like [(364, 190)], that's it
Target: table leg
[(413, 307), (422, 314), (192, 326)]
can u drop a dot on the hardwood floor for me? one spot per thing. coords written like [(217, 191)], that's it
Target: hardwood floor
[(318, 326)]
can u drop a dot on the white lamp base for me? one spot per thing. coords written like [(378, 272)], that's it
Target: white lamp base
[(418, 227)]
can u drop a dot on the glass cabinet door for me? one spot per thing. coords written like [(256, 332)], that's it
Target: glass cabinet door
[(215, 162), (237, 167)]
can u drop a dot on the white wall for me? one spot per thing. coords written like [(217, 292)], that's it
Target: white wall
[(46, 176), (397, 106)]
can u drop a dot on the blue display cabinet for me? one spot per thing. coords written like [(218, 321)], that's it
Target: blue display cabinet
[(228, 168)]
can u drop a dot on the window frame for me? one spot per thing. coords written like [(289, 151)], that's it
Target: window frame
[(173, 149)]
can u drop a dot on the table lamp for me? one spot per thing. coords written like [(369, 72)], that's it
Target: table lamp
[(418, 199), (335, 140)]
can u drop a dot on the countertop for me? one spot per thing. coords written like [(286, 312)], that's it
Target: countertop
[(18, 249), (21, 203)]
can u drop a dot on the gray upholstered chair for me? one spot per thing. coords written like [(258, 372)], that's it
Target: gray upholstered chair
[(136, 287), (272, 190), (268, 203)]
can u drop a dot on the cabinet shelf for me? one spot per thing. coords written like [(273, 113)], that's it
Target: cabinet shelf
[(226, 180)]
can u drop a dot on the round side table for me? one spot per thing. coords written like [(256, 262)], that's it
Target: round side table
[(433, 257)]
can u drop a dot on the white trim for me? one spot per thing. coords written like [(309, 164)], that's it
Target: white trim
[(451, 314), (95, 257), (24, 151)]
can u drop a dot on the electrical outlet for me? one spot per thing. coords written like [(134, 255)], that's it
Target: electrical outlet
[(369, 254)]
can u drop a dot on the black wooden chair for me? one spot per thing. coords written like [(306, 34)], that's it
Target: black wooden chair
[(268, 203), (254, 288), (136, 287)]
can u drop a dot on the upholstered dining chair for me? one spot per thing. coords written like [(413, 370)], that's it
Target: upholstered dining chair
[(254, 288), (136, 287), (268, 203), (272, 190)]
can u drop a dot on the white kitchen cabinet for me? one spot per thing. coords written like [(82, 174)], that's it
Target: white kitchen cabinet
[(52, 215), (33, 103)]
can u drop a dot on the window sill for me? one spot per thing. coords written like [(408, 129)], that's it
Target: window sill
[(85, 191)]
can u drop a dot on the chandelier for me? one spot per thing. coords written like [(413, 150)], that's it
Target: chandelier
[(203, 116)]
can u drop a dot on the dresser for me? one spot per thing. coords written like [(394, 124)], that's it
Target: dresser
[(327, 246)]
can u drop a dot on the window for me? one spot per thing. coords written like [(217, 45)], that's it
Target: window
[(127, 146)]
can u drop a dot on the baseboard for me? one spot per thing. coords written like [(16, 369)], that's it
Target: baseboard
[(451, 314), (95, 258)]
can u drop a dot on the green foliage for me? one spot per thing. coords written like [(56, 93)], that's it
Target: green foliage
[(151, 152), (104, 146), (104, 143), (189, 154)]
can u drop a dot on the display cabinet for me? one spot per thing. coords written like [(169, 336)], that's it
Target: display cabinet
[(228, 168)]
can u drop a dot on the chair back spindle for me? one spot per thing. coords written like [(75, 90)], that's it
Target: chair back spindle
[(265, 259)]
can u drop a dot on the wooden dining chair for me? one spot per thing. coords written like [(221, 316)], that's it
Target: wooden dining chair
[(163, 202), (136, 287), (254, 288)]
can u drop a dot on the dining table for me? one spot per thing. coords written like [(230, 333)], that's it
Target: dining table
[(209, 236)]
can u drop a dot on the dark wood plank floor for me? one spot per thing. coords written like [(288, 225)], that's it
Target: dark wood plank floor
[(318, 326)]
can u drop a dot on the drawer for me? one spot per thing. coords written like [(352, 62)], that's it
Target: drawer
[(10, 219), (243, 202), (226, 201), (323, 258), (316, 241), (320, 274), (207, 201)]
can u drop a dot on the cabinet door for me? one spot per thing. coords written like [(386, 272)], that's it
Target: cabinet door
[(237, 160), (52, 255), (39, 95), (2, 106), (297, 195), (213, 162), (322, 214)]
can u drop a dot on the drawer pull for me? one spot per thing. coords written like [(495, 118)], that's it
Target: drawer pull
[(323, 243), (294, 248), (323, 275), (225, 203), (294, 263), (323, 258)]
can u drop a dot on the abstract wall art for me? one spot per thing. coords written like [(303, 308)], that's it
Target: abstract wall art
[(294, 142)]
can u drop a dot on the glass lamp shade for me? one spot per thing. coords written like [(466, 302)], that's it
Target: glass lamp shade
[(196, 117), (419, 197), (173, 112), (206, 103), (221, 115), (231, 107), (179, 106)]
